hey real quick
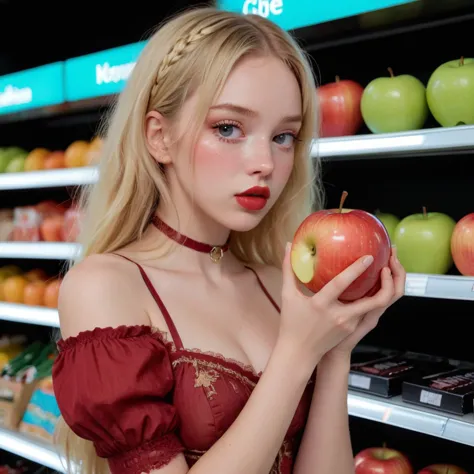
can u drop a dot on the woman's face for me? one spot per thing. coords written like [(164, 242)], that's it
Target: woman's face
[(247, 141)]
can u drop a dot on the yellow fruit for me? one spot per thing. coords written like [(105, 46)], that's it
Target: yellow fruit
[(36, 158), (75, 155)]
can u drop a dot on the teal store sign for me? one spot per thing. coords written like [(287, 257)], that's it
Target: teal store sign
[(291, 14), (102, 73), (32, 88)]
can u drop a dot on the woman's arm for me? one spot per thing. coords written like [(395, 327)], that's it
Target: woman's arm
[(326, 444)]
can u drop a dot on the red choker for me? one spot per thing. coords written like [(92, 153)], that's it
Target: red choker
[(216, 252)]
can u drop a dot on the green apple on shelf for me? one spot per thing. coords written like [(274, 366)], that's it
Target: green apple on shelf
[(423, 242), (390, 221), (450, 93), (394, 104)]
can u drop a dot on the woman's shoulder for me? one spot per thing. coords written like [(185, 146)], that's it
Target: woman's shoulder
[(100, 291)]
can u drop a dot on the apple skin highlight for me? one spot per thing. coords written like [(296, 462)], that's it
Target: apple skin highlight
[(328, 241)]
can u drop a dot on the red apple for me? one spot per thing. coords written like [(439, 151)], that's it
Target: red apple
[(462, 245), (442, 469), (382, 461), (328, 241), (339, 103)]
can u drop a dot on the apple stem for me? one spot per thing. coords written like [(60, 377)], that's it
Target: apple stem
[(461, 62), (338, 78), (425, 214), (390, 70), (343, 198)]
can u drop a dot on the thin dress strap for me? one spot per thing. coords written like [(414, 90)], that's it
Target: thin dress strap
[(166, 315), (262, 286)]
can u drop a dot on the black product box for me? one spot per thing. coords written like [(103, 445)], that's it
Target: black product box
[(450, 391), (384, 376)]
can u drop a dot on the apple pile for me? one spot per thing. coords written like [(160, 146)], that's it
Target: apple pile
[(79, 153), (328, 241), (383, 460), (399, 103), (430, 242)]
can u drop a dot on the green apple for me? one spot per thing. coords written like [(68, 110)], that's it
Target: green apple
[(16, 165), (7, 155), (394, 104), (450, 93), (390, 221), (423, 242)]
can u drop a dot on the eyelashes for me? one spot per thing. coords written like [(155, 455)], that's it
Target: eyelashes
[(229, 131)]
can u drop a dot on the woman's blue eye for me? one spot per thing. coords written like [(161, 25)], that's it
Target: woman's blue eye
[(227, 131), (280, 139)]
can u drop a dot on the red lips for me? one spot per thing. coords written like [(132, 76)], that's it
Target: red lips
[(257, 191), (254, 199)]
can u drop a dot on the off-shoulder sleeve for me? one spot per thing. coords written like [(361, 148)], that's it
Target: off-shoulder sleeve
[(113, 388)]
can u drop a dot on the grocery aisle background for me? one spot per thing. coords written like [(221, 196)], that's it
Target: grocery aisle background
[(47, 153)]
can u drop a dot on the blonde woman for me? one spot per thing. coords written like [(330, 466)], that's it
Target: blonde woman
[(187, 345)]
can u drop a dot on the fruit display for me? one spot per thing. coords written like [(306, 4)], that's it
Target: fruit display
[(398, 103), (385, 460), (78, 154), (450, 93), (382, 460), (328, 241), (423, 242), (33, 287), (462, 245), (47, 221), (394, 104), (339, 104)]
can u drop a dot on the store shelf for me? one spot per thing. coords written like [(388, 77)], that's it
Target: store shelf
[(420, 142), (440, 286), (39, 250), (20, 313), (31, 448), (395, 412), (49, 178)]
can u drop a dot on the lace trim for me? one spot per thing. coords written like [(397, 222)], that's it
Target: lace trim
[(152, 455), (212, 369)]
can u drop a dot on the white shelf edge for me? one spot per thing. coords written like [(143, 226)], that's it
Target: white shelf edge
[(454, 139), (49, 178), (40, 250), (451, 287), (395, 412), (31, 448), (21, 313)]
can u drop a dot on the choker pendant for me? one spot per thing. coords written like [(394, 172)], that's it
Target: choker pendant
[(215, 252)]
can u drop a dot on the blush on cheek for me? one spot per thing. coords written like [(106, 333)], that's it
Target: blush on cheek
[(214, 157)]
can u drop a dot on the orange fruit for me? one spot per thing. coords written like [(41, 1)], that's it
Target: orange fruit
[(34, 293), (54, 160), (75, 154), (93, 154), (14, 288), (35, 159), (37, 274), (51, 293)]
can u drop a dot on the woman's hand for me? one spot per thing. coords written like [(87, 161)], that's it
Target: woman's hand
[(312, 326), (393, 276)]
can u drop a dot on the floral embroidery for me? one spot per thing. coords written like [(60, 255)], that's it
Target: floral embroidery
[(205, 378), (285, 452)]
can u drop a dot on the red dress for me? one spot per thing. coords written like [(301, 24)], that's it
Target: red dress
[(142, 399)]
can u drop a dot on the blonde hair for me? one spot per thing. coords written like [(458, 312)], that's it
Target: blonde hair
[(196, 50)]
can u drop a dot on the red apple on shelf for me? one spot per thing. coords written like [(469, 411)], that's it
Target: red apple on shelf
[(328, 241), (442, 469), (339, 104), (382, 461), (462, 245)]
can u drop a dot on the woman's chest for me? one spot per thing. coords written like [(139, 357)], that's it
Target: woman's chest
[(209, 394)]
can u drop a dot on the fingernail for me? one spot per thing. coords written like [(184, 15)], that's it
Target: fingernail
[(368, 260)]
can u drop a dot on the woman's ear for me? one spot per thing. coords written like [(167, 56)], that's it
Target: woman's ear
[(157, 140)]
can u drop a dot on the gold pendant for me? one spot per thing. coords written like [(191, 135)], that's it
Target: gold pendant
[(216, 254)]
